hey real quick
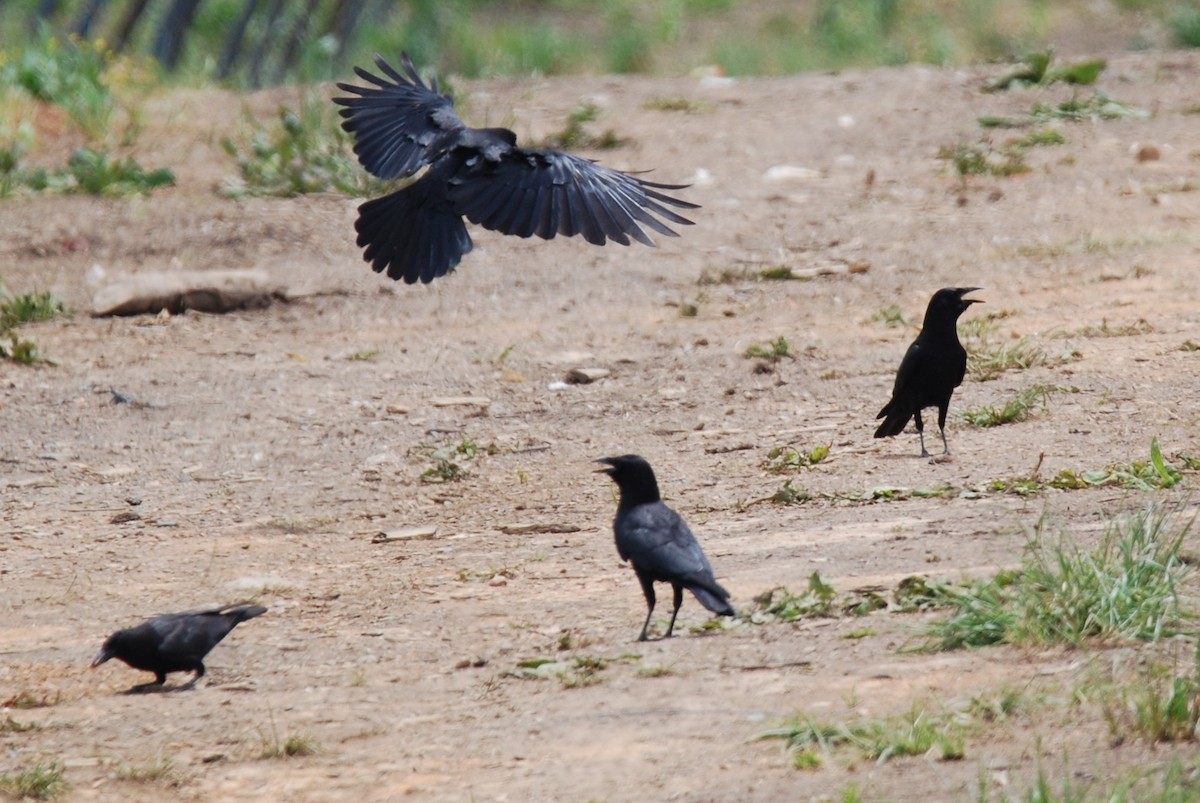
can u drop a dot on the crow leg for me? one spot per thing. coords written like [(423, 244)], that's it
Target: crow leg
[(678, 600), (920, 431), (647, 589), (199, 670), (159, 679), (942, 426)]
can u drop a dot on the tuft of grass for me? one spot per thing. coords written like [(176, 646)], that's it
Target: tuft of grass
[(789, 494), (988, 356), (86, 80), (982, 159), (448, 459), (296, 744), (92, 172), (30, 308), (575, 134), (1166, 706), (1184, 24), (161, 770), (39, 782), (772, 352), (10, 725), (306, 151), (677, 104), (1125, 588), (891, 316), (1139, 327), (781, 605), (1018, 408), (1035, 70), (782, 459), (916, 733), (1097, 106), (1040, 137)]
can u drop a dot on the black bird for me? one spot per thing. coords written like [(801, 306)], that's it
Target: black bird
[(657, 542), (932, 368), (174, 642), (401, 125)]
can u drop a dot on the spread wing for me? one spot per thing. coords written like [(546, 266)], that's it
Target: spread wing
[(527, 192), (399, 125)]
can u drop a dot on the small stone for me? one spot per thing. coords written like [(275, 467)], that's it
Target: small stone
[(1148, 153), (586, 376), (420, 533)]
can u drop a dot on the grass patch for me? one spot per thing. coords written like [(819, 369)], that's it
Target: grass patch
[(305, 151), (10, 725), (989, 356), (917, 733), (161, 770), (575, 133), (781, 605), (983, 159), (1035, 70), (449, 459), (39, 782), (571, 673), (781, 459), (86, 80), (1018, 408), (1126, 588), (892, 317), (293, 745), (1139, 327), (771, 352), (88, 172), (1097, 106), (677, 104)]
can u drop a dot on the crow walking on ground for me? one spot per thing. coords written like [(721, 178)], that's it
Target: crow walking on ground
[(174, 642), (932, 368), (402, 125), (657, 542)]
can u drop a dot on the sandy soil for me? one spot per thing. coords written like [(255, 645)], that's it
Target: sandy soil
[(264, 451)]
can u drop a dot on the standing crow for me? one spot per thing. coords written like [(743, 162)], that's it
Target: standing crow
[(656, 541), (402, 125), (174, 642), (932, 368)]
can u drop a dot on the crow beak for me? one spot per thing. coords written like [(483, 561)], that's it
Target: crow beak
[(608, 466), (101, 657), (969, 301)]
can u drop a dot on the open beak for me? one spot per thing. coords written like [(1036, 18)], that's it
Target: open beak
[(966, 302), (608, 466)]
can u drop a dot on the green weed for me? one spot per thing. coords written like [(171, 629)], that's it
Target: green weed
[(448, 459), (891, 316), (575, 134), (39, 782), (772, 352), (1097, 106), (781, 605), (1035, 69), (1018, 408), (305, 152), (982, 159), (1125, 588), (781, 459), (916, 733)]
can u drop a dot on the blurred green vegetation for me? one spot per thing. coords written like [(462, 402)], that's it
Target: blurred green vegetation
[(292, 41)]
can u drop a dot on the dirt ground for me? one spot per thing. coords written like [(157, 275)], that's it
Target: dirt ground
[(263, 451)]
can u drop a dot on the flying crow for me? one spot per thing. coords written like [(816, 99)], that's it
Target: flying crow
[(401, 125)]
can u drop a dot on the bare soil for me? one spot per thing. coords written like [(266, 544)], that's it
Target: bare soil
[(263, 451)]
